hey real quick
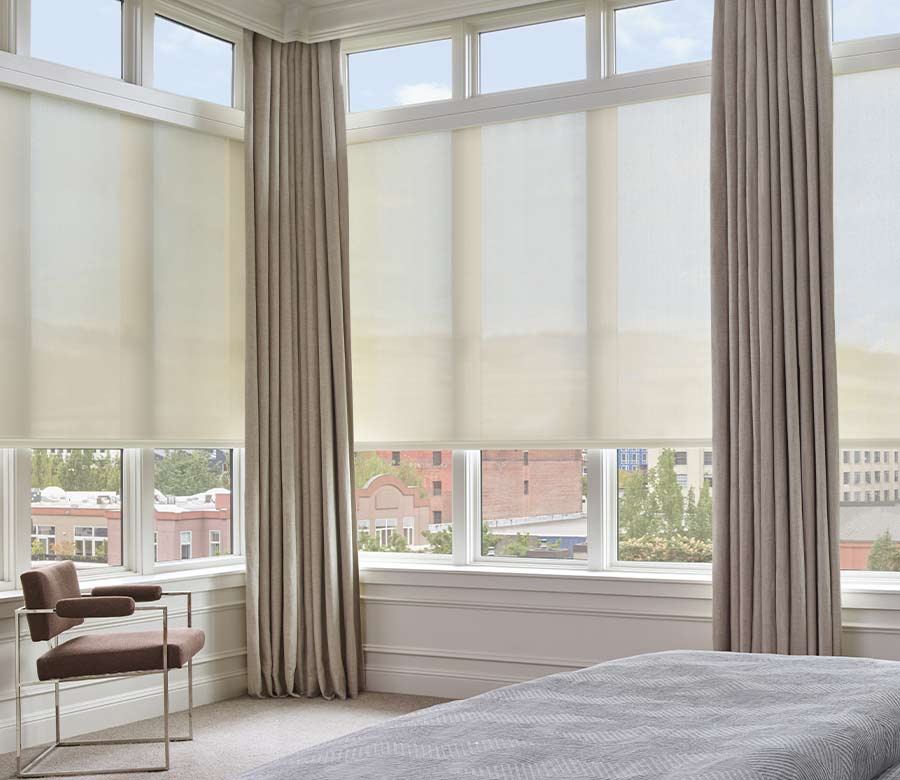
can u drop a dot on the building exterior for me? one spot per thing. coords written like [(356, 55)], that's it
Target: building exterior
[(86, 526), (870, 476)]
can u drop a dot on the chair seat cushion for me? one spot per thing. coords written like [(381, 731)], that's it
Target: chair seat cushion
[(116, 653)]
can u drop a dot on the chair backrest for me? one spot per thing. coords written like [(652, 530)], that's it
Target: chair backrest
[(42, 588)]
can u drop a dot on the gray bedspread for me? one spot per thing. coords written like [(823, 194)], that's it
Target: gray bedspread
[(698, 715)]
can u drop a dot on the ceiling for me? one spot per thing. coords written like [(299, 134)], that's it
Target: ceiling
[(319, 20)]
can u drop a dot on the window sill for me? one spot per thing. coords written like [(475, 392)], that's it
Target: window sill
[(200, 579)]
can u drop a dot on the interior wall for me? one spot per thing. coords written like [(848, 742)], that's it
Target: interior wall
[(437, 632)]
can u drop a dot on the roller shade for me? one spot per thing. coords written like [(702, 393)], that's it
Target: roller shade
[(121, 279), (867, 258), (537, 283)]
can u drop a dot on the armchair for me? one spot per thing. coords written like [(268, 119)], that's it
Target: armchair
[(54, 604)]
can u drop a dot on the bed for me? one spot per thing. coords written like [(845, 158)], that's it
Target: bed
[(673, 715)]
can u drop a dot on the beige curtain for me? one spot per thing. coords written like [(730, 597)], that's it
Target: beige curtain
[(776, 574), (303, 621)]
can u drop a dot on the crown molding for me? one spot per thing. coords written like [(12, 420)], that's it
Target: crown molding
[(321, 20), (348, 18), (262, 16)]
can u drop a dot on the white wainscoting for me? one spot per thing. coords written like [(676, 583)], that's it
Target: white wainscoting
[(436, 632)]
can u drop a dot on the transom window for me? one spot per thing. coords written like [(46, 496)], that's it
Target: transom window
[(193, 63), (400, 75), (526, 56), (662, 34), (86, 34)]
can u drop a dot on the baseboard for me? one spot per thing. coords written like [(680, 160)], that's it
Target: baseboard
[(122, 708), (430, 682)]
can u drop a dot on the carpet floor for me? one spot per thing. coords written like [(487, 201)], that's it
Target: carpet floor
[(232, 736)]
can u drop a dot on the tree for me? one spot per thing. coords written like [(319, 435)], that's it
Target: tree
[(884, 555), (703, 521), (186, 473), (518, 547), (98, 470), (667, 496), (439, 542), (367, 542), (636, 517)]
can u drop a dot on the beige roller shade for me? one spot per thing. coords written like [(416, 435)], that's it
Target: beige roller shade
[(540, 282), (121, 286)]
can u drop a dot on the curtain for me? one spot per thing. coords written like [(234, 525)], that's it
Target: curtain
[(303, 616), (776, 575), (121, 279), (507, 293)]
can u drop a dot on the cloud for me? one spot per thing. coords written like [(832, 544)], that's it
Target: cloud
[(409, 94), (681, 47)]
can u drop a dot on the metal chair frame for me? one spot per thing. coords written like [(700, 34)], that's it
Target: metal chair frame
[(28, 770)]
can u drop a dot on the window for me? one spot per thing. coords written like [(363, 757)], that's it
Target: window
[(661, 34), (877, 476), (868, 477), (76, 507), (856, 456), (877, 456), (193, 63), (43, 539), (525, 458), (661, 517), (681, 458), (192, 493), (400, 76), (853, 19), (846, 456), (548, 519), (389, 488), (846, 497), (867, 457), (186, 545), (545, 53), (856, 475), (215, 543), (707, 457), (85, 35), (846, 477)]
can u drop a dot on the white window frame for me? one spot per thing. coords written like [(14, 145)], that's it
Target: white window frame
[(139, 541), (217, 542), (132, 94)]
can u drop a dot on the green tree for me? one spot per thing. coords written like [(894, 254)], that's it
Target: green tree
[(703, 519), (636, 515), (186, 473), (884, 555), (666, 493), (76, 470), (518, 547), (439, 542)]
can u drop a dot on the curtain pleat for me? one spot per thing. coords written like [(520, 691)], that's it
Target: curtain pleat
[(303, 618), (776, 573)]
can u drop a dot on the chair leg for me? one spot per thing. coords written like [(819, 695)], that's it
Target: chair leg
[(18, 700), (191, 699), (56, 710)]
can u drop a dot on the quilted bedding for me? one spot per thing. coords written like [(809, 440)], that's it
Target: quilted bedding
[(674, 715)]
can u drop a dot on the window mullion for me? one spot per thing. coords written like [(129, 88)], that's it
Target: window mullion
[(596, 43), (20, 21), (132, 41), (597, 514), (20, 508), (462, 522)]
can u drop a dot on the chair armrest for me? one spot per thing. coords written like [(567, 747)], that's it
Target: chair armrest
[(95, 607), (136, 592)]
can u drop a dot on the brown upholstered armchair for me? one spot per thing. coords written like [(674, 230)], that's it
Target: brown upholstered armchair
[(54, 604)]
